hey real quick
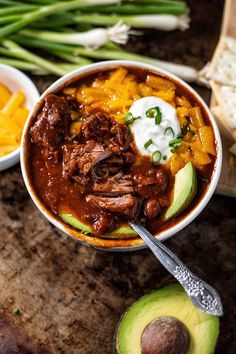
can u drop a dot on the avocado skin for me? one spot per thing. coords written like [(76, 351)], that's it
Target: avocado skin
[(169, 294), (86, 229), (184, 190)]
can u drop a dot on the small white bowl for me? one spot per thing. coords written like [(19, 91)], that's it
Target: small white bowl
[(109, 244), (16, 81)]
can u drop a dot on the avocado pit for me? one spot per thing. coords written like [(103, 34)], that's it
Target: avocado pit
[(165, 335)]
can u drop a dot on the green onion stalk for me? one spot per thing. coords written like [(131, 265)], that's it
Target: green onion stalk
[(67, 67), (60, 21), (8, 3), (187, 73), (19, 64), (94, 38), (35, 69), (9, 19), (14, 50), (47, 10), (71, 59), (17, 9), (161, 22), (134, 9)]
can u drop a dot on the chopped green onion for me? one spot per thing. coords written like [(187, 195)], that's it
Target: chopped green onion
[(129, 118), (156, 156), (148, 143), (169, 131), (154, 112), (158, 117), (175, 143), (164, 157)]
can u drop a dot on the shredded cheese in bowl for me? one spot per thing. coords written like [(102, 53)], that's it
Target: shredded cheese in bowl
[(13, 115), (120, 93)]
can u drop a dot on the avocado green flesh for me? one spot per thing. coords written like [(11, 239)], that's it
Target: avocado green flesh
[(184, 190), (86, 229), (168, 301)]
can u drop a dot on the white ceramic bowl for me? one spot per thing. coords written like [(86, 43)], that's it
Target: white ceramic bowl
[(108, 244), (15, 81)]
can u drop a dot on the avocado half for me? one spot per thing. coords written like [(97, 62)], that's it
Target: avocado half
[(184, 190), (123, 230), (170, 300)]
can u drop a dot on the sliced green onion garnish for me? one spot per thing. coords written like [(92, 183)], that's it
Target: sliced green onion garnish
[(175, 143), (129, 118), (169, 131), (164, 157), (156, 156), (148, 143), (154, 112), (150, 113), (158, 117)]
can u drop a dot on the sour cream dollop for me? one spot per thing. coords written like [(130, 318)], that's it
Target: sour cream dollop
[(145, 128)]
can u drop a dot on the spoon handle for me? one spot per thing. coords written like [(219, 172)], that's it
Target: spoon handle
[(203, 296)]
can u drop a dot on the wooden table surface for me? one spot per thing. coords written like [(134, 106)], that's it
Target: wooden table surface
[(70, 296)]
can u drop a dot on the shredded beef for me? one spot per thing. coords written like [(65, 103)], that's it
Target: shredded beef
[(100, 162), (118, 184), (126, 205), (82, 157), (51, 126)]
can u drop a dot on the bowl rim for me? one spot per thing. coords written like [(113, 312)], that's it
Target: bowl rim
[(18, 75), (102, 243)]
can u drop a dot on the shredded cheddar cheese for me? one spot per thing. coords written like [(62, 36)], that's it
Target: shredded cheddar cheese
[(116, 93), (13, 115)]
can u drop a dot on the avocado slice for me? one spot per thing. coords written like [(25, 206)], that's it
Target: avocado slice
[(184, 190), (170, 300), (76, 223)]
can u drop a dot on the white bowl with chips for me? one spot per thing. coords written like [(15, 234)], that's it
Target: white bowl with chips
[(16, 81)]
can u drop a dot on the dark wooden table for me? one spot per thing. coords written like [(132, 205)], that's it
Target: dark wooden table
[(70, 296)]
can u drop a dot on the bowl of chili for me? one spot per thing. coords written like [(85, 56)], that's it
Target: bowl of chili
[(106, 142)]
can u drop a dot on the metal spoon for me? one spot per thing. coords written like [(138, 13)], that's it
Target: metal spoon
[(202, 295)]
